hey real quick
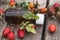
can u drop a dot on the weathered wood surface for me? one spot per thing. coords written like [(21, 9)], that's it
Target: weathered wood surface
[(48, 36), (53, 36), (28, 36)]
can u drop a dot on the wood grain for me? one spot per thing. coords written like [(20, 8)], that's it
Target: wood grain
[(53, 36), (28, 36)]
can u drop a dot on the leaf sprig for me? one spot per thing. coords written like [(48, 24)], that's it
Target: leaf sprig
[(30, 15), (28, 27)]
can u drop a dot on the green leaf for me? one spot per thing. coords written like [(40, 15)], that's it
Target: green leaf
[(33, 30), (27, 22), (22, 27), (25, 5), (30, 15), (36, 17), (26, 16), (24, 24), (30, 29), (27, 28)]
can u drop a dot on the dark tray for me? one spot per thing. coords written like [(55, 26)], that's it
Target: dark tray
[(14, 16)]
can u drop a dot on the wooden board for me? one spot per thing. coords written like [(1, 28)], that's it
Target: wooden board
[(28, 36), (53, 36)]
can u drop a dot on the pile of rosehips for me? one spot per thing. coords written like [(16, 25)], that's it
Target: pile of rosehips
[(20, 33), (10, 34), (55, 8)]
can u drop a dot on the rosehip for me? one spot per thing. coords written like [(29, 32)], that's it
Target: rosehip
[(12, 0), (6, 31), (21, 33), (52, 28), (11, 36), (56, 5), (12, 3), (2, 10)]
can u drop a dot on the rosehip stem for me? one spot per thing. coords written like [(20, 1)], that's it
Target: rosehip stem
[(13, 27)]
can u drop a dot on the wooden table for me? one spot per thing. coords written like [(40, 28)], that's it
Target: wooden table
[(29, 36), (53, 36)]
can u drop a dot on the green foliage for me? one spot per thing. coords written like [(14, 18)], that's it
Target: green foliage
[(30, 29), (24, 5), (30, 15)]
